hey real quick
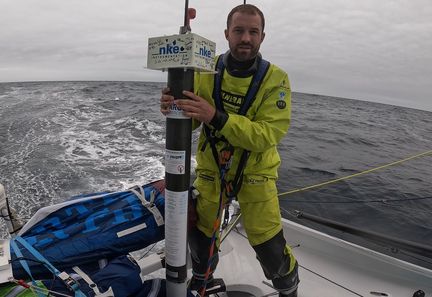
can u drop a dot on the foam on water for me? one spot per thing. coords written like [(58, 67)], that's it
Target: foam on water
[(62, 139)]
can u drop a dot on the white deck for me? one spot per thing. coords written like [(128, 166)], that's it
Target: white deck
[(328, 267)]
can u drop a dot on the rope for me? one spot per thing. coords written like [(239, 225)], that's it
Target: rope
[(317, 274), (37, 289), (357, 201), (331, 281), (356, 174), (216, 226)]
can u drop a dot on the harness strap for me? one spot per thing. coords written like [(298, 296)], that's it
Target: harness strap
[(66, 278), (233, 187), (257, 80), (220, 67)]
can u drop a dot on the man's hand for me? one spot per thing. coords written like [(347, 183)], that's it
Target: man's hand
[(196, 107), (166, 101)]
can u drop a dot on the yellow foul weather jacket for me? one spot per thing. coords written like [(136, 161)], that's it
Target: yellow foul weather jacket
[(265, 124), (260, 131)]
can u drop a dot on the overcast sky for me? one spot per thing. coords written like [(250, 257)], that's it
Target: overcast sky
[(373, 50)]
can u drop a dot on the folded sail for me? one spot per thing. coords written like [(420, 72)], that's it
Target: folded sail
[(92, 227)]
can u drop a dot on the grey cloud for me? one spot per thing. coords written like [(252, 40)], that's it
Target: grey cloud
[(369, 50)]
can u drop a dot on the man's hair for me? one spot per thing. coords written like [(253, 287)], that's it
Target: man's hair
[(246, 8)]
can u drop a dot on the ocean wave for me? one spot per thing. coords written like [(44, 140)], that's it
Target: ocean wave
[(59, 139)]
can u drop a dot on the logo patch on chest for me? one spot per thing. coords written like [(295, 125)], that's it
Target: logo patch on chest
[(232, 102)]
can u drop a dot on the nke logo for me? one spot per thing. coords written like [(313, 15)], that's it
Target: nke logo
[(171, 49), (205, 52)]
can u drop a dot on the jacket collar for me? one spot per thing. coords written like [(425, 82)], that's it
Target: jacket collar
[(238, 68)]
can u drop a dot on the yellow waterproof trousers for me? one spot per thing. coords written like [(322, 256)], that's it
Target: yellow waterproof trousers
[(259, 206)]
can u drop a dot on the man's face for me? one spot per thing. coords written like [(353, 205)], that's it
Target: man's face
[(244, 36)]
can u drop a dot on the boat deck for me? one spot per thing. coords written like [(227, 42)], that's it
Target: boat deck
[(328, 267)]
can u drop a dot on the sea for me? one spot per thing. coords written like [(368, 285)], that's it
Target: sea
[(373, 161)]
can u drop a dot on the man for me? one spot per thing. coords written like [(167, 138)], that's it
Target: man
[(257, 131)]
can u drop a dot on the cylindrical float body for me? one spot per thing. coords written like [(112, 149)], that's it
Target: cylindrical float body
[(177, 179)]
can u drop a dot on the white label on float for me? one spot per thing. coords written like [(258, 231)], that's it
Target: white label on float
[(175, 161), (175, 227), (176, 113)]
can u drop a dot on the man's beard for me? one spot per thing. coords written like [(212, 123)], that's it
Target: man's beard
[(241, 54)]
